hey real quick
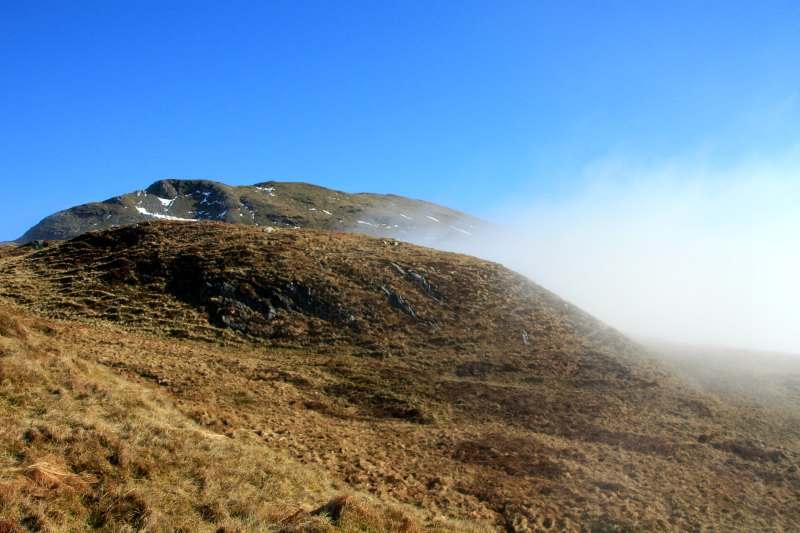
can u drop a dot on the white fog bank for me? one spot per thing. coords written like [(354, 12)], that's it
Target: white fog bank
[(674, 251)]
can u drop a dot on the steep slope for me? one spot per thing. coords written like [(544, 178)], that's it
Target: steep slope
[(273, 204), (416, 375)]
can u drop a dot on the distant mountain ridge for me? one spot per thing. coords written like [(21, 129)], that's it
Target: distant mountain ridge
[(266, 204)]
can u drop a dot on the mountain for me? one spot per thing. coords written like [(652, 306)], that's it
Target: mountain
[(210, 376), (268, 204)]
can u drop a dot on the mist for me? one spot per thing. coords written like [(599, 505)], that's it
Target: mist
[(679, 250)]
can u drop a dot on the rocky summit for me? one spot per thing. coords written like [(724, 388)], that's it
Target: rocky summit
[(269, 204)]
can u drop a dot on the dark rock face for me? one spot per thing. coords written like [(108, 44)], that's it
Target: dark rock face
[(163, 189), (249, 305), (420, 280), (268, 204), (397, 301)]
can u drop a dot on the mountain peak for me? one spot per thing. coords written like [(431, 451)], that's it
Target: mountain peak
[(269, 204)]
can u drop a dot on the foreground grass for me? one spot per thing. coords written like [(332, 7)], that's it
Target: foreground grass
[(82, 448)]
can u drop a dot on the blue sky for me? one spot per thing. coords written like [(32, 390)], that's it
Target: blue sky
[(465, 103)]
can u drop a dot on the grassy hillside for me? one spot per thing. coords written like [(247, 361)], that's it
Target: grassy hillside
[(85, 448), (421, 378)]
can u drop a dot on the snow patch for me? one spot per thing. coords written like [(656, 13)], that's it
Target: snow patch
[(432, 218), (145, 212)]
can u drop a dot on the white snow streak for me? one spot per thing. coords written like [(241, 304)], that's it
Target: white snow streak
[(144, 211)]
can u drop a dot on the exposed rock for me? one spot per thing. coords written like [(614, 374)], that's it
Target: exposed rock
[(398, 268), (163, 189), (426, 286), (419, 280), (399, 302)]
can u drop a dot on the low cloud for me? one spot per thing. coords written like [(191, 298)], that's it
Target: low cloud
[(678, 250)]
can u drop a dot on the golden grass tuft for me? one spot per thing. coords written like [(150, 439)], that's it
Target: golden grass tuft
[(350, 512), (50, 473), (359, 513), (10, 326)]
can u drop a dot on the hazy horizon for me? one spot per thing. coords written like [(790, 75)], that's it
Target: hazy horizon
[(680, 250)]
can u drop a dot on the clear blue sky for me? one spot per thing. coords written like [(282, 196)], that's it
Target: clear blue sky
[(461, 102)]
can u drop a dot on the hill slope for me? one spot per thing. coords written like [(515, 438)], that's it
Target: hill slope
[(415, 375), (273, 204), (87, 448)]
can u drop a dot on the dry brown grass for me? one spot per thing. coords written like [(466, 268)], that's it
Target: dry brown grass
[(448, 409), (84, 448), (9, 327)]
